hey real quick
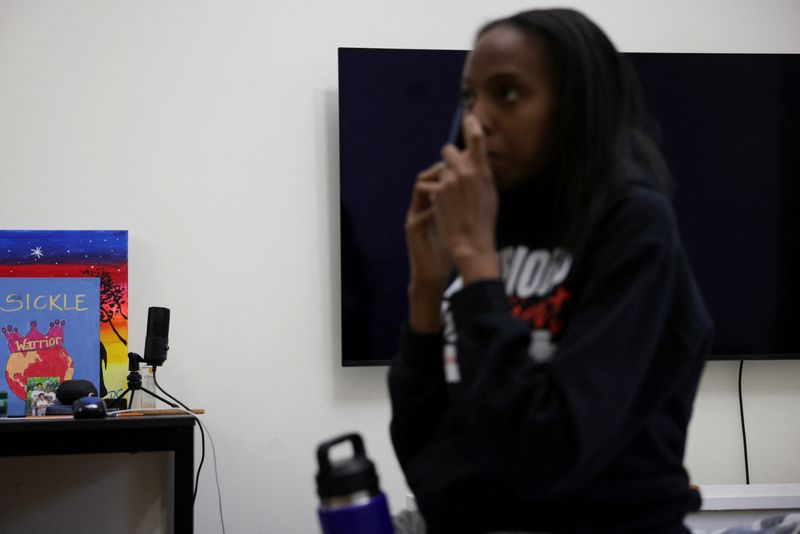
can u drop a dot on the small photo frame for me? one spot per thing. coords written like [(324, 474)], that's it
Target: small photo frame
[(41, 393)]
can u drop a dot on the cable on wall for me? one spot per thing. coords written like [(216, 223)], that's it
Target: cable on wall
[(216, 470), (202, 436), (744, 432), (213, 451)]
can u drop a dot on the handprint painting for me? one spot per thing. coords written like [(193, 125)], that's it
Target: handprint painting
[(96, 254)]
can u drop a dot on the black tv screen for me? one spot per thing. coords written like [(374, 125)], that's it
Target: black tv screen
[(728, 125)]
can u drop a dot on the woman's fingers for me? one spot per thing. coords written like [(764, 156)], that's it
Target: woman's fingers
[(419, 218), (474, 159), (454, 160), (424, 194), (476, 143), (431, 174)]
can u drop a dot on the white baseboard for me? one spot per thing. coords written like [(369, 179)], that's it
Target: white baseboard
[(751, 497), (741, 505), (729, 505)]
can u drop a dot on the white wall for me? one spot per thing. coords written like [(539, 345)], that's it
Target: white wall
[(208, 129)]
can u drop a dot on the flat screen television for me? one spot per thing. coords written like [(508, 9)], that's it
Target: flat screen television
[(729, 127)]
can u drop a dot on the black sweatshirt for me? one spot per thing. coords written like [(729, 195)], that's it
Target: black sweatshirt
[(569, 384)]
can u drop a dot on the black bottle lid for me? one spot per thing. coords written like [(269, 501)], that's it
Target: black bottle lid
[(348, 476)]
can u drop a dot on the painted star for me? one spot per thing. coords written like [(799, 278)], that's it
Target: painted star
[(37, 252)]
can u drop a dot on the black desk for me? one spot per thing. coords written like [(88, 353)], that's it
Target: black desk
[(114, 434)]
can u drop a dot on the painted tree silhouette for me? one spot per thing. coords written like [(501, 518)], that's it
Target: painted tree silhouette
[(112, 297)]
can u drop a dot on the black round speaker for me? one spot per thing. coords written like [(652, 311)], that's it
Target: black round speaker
[(71, 390)]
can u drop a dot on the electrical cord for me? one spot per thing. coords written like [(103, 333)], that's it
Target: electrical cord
[(216, 472), (202, 435), (213, 449), (744, 432)]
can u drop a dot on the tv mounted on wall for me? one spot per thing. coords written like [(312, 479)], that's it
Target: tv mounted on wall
[(729, 128)]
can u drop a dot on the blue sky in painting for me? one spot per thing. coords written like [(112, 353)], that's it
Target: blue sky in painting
[(63, 246)]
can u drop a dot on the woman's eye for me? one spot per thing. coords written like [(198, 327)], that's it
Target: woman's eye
[(509, 94)]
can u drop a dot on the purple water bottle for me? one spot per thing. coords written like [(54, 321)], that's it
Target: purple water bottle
[(351, 501)]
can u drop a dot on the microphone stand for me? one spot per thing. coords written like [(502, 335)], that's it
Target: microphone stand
[(135, 382)]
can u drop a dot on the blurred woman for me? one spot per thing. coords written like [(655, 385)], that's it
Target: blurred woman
[(548, 384)]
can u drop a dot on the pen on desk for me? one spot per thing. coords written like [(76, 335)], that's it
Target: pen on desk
[(157, 411)]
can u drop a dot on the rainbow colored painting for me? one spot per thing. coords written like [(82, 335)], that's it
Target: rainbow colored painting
[(101, 254)]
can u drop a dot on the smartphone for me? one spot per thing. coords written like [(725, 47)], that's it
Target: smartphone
[(456, 135)]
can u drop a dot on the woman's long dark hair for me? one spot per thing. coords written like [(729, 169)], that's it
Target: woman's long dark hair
[(599, 133)]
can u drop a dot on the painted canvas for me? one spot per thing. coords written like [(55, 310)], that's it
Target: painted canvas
[(51, 328), (100, 254)]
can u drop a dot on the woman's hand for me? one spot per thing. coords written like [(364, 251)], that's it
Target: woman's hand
[(451, 222), (429, 262), (464, 202)]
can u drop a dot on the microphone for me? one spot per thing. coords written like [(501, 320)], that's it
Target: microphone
[(156, 344)]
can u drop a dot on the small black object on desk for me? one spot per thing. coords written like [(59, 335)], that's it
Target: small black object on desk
[(89, 408), (71, 390)]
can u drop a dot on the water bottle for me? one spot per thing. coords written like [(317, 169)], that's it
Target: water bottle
[(351, 501), (148, 382)]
